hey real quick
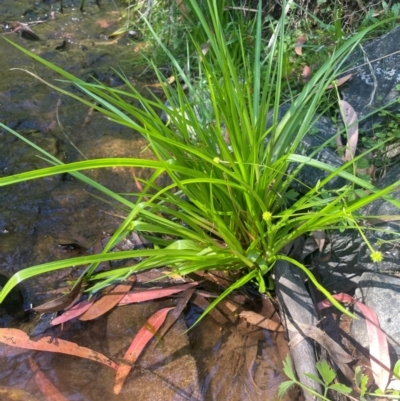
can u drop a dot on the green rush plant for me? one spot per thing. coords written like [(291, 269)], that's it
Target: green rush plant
[(229, 205)]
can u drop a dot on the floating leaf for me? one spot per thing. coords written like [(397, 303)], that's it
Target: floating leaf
[(77, 310), (145, 334), (298, 47), (46, 387), (261, 321), (17, 338), (108, 301), (62, 302), (148, 295)]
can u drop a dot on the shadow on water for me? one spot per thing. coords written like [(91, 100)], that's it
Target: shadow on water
[(57, 218)]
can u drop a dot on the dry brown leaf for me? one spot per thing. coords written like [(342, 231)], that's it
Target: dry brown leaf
[(350, 120), (298, 47), (340, 81), (214, 313), (337, 353), (319, 237), (261, 321)]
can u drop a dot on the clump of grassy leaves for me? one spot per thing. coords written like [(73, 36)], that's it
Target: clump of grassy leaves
[(229, 205)]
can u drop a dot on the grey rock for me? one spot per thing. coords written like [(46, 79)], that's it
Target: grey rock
[(349, 254), (381, 293), (376, 75)]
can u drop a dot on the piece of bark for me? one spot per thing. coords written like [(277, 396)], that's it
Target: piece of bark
[(297, 307)]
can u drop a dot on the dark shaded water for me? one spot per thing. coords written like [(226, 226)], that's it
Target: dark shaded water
[(37, 217)]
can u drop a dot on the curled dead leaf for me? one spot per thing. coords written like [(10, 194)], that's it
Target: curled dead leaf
[(298, 47), (306, 74)]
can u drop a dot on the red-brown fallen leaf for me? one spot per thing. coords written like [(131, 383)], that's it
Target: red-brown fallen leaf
[(147, 295), (378, 345), (298, 47), (46, 387), (261, 321), (18, 338), (340, 81), (108, 301), (75, 311), (145, 334)]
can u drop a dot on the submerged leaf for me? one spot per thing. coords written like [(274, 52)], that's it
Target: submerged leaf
[(145, 334), (46, 387), (17, 338), (261, 321)]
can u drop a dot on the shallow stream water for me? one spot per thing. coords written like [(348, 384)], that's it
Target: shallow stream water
[(212, 362)]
